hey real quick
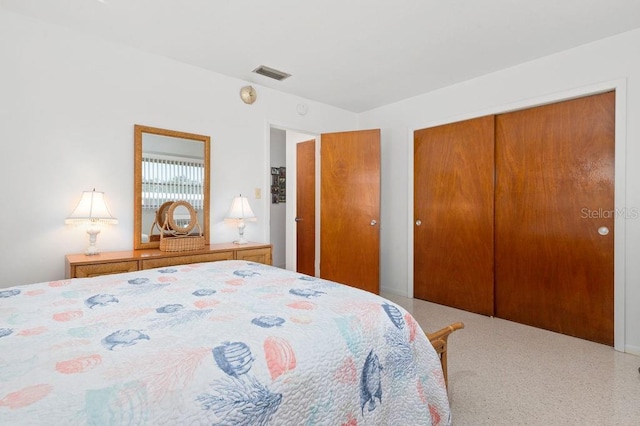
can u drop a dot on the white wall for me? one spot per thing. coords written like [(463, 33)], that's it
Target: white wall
[(609, 62), (277, 219), (68, 103)]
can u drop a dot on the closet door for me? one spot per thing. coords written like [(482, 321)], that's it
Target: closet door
[(554, 192), (453, 214), (350, 208)]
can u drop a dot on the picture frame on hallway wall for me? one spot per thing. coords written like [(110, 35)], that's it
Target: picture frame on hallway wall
[(278, 185)]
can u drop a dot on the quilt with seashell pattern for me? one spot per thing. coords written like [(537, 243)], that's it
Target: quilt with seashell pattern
[(223, 343)]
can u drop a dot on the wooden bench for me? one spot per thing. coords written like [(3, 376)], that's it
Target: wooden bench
[(439, 341)]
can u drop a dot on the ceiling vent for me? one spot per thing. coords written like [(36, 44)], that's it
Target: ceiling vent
[(271, 73)]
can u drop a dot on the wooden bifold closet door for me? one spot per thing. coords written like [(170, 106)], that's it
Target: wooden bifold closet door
[(550, 230), (554, 191), (453, 214)]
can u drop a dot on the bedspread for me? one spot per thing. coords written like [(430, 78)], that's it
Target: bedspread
[(227, 343)]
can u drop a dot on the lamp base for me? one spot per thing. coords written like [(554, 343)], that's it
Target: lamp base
[(241, 240), (93, 232)]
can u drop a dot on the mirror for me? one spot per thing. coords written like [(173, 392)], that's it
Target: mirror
[(169, 166), (181, 219)]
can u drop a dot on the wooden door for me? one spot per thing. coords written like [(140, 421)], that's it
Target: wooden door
[(453, 214), (350, 208), (554, 190), (306, 207)]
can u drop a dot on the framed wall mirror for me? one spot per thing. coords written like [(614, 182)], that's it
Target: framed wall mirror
[(168, 166)]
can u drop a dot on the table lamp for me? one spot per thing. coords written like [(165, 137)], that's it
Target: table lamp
[(91, 210), (239, 213)]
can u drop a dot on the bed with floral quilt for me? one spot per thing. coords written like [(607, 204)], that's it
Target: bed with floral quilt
[(223, 343)]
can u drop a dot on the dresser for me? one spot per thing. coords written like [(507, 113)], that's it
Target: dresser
[(115, 262)]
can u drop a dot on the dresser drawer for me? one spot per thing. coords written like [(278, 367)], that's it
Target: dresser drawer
[(261, 255), (186, 259), (84, 271)]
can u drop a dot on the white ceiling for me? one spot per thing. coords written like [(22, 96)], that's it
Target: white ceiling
[(353, 54)]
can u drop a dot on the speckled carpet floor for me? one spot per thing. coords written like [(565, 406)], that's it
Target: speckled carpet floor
[(504, 373)]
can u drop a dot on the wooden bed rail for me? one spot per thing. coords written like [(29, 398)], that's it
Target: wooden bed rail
[(439, 341)]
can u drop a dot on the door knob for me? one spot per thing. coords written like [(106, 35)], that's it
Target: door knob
[(298, 219), (418, 222), (603, 230), (373, 222)]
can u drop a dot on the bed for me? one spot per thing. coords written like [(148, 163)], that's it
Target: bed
[(225, 343)]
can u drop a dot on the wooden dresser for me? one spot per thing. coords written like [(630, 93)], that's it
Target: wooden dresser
[(81, 265)]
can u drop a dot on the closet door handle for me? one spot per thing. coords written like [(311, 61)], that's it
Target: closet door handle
[(418, 222), (298, 219), (373, 222)]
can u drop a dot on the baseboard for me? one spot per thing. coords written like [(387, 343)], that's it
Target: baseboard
[(393, 291), (633, 350)]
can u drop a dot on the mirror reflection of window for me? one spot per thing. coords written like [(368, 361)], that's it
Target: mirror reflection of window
[(165, 179), (173, 169)]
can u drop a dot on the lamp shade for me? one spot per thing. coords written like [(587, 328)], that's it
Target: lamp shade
[(240, 209), (91, 208)]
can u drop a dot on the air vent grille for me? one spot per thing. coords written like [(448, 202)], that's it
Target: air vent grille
[(271, 73)]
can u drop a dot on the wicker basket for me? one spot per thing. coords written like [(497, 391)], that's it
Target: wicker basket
[(176, 238), (181, 243)]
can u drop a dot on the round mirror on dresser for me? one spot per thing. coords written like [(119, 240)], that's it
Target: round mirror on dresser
[(181, 217)]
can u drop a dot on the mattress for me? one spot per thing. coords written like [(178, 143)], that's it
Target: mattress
[(224, 343)]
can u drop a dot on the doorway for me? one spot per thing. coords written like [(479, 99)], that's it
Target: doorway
[(282, 210), (350, 177)]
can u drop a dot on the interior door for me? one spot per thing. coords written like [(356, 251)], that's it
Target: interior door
[(306, 206), (555, 217), (453, 214), (350, 208)]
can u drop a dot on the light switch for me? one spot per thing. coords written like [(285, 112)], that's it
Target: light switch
[(258, 193)]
